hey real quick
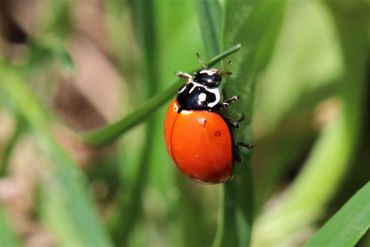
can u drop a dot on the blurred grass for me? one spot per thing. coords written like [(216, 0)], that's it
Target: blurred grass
[(128, 211), (330, 158), (65, 208), (7, 235), (209, 18), (348, 225), (321, 55), (305, 76), (9, 147)]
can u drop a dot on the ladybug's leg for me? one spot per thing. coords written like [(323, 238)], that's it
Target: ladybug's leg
[(236, 151), (246, 145), (224, 72), (184, 75), (236, 154), (234, 123), (228, 101)]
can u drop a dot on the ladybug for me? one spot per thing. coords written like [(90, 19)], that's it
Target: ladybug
[(197, 136)]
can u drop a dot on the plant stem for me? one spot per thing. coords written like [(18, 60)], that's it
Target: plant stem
[(111, 132)]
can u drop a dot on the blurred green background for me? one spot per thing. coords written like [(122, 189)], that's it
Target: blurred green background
[(69, 67)]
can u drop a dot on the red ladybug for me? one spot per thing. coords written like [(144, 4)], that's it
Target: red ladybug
[(198, 138)]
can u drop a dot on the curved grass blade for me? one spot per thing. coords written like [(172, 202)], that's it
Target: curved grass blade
[(111, 132), (255, 24), (348, 225)]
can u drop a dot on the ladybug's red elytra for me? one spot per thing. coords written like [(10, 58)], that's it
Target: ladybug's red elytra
[(198, 137)]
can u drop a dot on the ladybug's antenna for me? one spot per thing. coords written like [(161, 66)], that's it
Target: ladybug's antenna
[(201, 61), (223, 71)]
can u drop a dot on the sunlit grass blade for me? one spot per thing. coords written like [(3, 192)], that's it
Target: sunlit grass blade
[(113, 131), (257, 32), (348, 225), (209, 18)]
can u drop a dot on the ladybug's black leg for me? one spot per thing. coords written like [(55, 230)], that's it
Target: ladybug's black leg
[(184, 75), (228, 101), (246, 145), (236, 154), (236, 151), (232, 99), (234, 123)]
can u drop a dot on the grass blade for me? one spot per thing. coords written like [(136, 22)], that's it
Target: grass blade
[(112, 131), (348, 225), (209, 18), (255, 24)]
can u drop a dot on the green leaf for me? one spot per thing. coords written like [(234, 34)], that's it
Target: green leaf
[(209, 18), (113, 131), (348, 225), (65, 207), (254, 24)]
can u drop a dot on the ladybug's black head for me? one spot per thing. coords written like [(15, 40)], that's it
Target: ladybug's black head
[(208, 77)]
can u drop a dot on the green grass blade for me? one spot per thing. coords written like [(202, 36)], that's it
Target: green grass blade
[(209, 18), (112, 131), (348, 225), (254, 24), (66, 209)]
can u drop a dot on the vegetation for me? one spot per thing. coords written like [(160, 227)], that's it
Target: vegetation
[(84, 87)]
